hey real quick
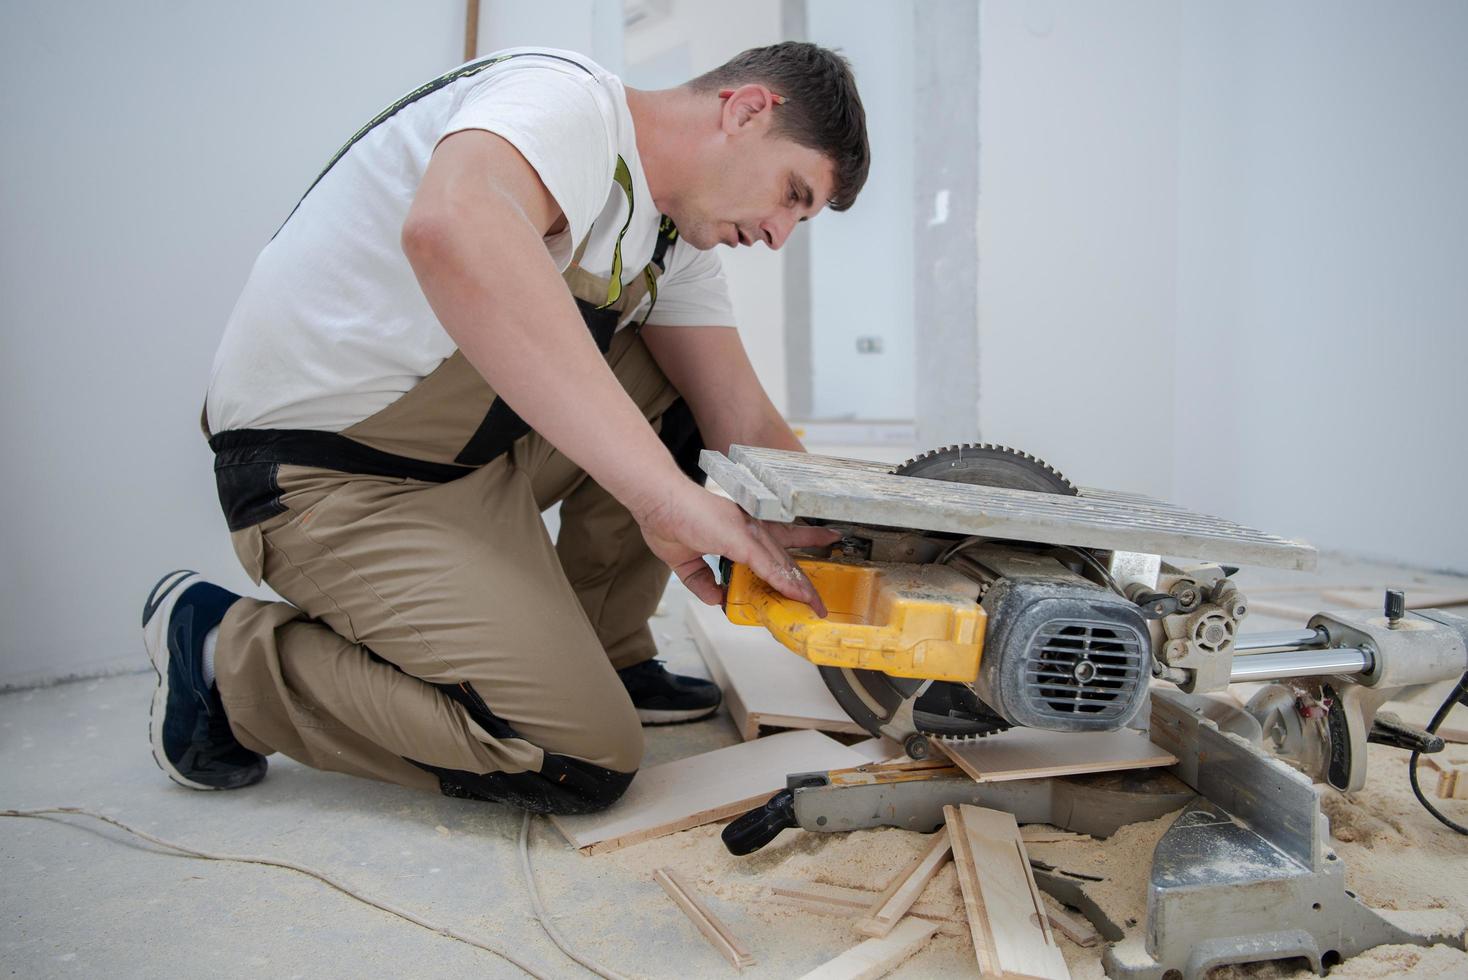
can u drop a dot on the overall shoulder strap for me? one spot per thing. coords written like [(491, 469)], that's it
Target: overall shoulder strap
[(427, 88)]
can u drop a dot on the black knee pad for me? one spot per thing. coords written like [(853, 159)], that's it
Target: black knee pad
[(563, 785)]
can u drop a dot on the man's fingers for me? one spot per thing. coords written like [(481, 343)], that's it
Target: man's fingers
[(781, 572), (698, 578)]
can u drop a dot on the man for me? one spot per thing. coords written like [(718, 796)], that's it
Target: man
[(496, 297)]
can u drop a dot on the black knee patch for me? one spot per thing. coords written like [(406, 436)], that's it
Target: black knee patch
[(563, 785)]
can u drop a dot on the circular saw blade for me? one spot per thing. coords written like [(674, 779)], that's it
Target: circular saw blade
[(900, 707), (985, 464)]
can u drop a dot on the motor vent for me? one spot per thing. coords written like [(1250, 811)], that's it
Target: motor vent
[(1080, 670)]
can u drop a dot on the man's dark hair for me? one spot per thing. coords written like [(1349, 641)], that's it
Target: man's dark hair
[(823, 110)]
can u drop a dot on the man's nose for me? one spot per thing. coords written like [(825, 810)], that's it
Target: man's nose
[(775, 230)]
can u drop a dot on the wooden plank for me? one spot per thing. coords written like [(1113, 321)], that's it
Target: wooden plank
[(764, 684), (973, 896), (853, 903), (718, 935), (702, 789), (1451, 785), (948, 927), (1035, 834), (1073, 927), (905, 888), (1007, 917), (875, 957), (1028, 753)]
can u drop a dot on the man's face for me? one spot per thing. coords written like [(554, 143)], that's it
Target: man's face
[(753, 186)]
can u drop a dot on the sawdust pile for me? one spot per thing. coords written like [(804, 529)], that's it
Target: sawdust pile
[(1397, 857)]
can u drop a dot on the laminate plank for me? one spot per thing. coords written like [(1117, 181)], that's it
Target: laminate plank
[(702, 789), (718, 934), (876, 957), (905, 888), (1007, 917), (764, 684), (1029, 753)]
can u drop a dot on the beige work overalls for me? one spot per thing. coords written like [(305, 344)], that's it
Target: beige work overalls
[(434, 636)]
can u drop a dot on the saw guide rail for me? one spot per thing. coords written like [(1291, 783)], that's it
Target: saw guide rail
[(1076, 626)]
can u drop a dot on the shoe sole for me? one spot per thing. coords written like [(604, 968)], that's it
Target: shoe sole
[(650, 716), (157, 611)]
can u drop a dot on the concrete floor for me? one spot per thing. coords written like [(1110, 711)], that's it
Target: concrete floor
[(79, 898), (85, 899)]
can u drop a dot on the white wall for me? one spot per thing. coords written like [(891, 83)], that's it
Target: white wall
[(862, 260), (151, 149), (1078, 132), (1222, 257), (1323, 341)]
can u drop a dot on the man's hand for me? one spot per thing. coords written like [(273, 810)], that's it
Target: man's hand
[(696, 523)]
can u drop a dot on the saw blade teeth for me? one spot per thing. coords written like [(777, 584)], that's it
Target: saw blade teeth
[(983, 447)]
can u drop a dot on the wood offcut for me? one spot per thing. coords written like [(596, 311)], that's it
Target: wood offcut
[(718, 934), (1029, 753), (905, 888), (876, 957), (1007, 917), (703, 788), (764, 685)]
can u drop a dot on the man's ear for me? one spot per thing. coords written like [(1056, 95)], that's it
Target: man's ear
[(746, 105)]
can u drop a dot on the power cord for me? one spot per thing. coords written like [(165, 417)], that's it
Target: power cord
[(1459, 695), (51, 813)]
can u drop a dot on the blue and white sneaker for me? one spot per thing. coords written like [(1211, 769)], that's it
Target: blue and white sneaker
[(192, 741)]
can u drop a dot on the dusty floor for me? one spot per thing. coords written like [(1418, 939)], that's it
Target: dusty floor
[(80, 899)]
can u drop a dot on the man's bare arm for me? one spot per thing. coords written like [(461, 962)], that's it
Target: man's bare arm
[(711, 370), (474, 238)]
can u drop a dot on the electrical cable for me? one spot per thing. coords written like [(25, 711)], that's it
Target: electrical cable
[(1459, 695), (50, 813), (1095, 563), (544, 919)]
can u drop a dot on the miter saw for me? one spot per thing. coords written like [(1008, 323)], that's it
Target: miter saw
[(975, 589)]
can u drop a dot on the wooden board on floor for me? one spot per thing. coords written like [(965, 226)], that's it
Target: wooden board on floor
[(763, 683), (905, 888), (854, 903), (877, 957), (720, 938), (1007, 917), (703, 788), (1028, 753)]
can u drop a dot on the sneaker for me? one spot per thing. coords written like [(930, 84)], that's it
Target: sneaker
[(664, 698), (191, 738)]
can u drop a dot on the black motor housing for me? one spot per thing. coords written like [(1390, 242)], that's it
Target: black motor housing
[(1060, 652)]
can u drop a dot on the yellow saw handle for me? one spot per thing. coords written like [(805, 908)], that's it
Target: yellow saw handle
[(902, 619)]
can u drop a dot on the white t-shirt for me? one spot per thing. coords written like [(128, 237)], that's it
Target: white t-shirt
[(332, 325)]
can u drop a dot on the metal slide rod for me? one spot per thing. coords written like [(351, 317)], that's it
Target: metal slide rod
[(1300, 663), (1282, 640)]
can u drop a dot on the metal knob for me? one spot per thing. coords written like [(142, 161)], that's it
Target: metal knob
[(1396, 606)]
